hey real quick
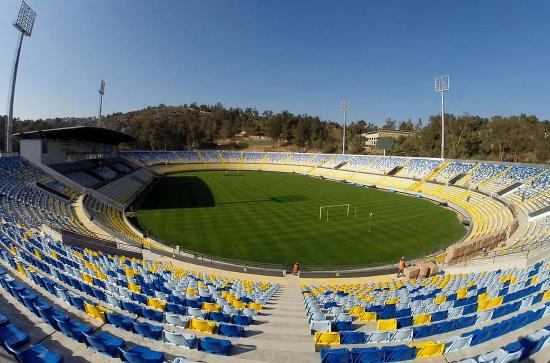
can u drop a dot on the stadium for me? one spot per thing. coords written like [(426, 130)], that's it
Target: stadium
[(111, 252)]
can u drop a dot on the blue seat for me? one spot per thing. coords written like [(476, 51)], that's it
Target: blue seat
[(230, 330), (424, 331), (76, 301), (194, 304), (74, 329), (140, 354), (105, 343), (148, 330), (470, 309), (131, 307), (352, 337), (341, 325), (340, 355), (51, 316), (440, 315), (140, 298), (367, 355), (403, 313), (12, 336), (404, 322), (152, 314), (120, 321), (446, 326), (481, 335), (465, 322), (176, 309), (242, 320), (215, 346), (220, 317), (398, 353), (36, 354), (3, 321)]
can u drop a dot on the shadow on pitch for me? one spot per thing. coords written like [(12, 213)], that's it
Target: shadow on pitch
[(179, 192)]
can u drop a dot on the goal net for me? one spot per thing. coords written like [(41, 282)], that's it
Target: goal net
[(231, 172), (337, 210)]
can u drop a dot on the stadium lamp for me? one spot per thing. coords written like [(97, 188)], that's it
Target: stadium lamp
[(24, 23), (101, 92), (344, 107), (442, 85)]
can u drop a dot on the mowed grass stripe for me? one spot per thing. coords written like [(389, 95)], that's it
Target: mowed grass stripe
[(273, 218)]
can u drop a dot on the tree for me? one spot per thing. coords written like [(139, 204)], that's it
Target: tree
[(390, 124)]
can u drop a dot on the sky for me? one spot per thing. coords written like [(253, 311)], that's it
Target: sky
[(302, 56)]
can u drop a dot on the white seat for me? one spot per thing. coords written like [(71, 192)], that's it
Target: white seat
[(402, 335), (379, 337), (320, 326), (185, 340), (484, 316), (457, 343), (500, 356)]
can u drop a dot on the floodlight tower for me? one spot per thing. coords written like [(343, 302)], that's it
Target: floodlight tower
[(344, 107), (24, 23), (101, 92), (442, 85)]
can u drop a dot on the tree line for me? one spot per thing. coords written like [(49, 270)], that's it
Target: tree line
[(521, 138)]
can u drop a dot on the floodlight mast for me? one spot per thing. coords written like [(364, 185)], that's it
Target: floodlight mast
[(24, 23), (101, 92), (344, 107), (442, 85)]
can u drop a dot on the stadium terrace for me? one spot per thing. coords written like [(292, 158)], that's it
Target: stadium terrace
[(80, 280)]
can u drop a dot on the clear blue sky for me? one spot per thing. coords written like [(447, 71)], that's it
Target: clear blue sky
[(304, 56)]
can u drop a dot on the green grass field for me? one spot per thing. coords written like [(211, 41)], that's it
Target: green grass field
[(274, 218)]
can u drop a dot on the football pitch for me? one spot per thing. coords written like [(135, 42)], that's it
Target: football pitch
[(269, 217)]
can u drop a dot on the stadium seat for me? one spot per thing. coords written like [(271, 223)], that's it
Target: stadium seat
[(340, 355), (140, 354), (105, 343), (215, 346), (326, 339), (184, 340), (202, 326), (386, 324)]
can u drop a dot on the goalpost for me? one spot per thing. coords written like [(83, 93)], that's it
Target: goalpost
[(348, 207), (228, 172)]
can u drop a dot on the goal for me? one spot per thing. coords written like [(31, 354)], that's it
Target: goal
[(346, 209), (231, 172)]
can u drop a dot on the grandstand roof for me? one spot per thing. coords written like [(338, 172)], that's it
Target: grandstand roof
[(81, 133)]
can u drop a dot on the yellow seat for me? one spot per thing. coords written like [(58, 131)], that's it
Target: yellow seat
[(534, 279), (239, 304), (134, 287), (255, 306), (483, 297), (190, 290), (202, 326), (461, 293), (367, 316), (391, 301), (156, 303), (495, 302), (94, 312), (326, 339), (357, 310), (483, 305), (100, 275), (428, 349), (88, 279), (546, 295), (386, 324), (21, 269), (211, 307), (440, 299), (422, 319)]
